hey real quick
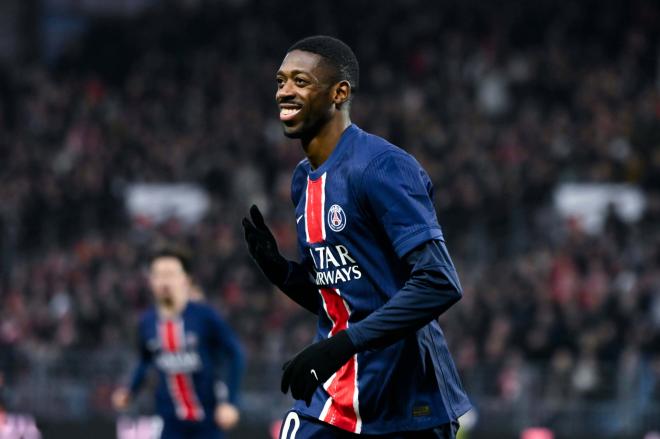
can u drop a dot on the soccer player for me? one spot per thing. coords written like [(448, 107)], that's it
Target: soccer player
[(186, 341), (374, 267)]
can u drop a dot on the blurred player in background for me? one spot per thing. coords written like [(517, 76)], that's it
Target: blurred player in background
[(374, 267), (185, 340)]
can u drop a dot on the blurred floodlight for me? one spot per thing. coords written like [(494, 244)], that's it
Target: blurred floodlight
[(158, 202), (589, 203)]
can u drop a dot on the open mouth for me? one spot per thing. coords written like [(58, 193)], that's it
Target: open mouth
[(289, 112)]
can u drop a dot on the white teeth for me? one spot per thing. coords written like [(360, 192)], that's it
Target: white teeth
[(289, 111)]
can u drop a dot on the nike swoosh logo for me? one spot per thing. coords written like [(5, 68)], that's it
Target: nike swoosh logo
[(299, 218)]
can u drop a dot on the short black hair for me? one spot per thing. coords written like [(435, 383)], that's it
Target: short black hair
[(173, 251), (336, 53)]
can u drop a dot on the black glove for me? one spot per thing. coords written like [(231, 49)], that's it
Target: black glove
[(263, 248), (315, 364)]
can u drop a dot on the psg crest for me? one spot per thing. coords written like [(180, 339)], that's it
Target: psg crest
[(336, 218)]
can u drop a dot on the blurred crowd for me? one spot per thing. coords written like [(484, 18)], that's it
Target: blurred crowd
[(500, 103)]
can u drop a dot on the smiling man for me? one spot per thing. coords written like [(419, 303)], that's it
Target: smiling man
[(374, 267)]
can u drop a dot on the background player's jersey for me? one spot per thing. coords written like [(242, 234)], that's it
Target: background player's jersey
[(358, 215), (187, 351)]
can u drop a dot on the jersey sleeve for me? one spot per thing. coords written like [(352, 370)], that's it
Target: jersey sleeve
[(433, 287), (144, 362), (398, 192), (300, 287), (227, 343)]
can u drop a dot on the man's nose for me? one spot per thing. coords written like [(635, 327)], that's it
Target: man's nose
[(286, 90)]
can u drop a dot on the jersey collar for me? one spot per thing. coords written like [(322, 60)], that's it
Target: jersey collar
[(344, 141)]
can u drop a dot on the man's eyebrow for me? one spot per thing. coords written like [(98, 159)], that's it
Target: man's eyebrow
[(294, 72)]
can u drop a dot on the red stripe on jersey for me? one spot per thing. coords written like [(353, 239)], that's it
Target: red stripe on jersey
[(336, 309), (314, 210), (169, 337), (183, 386), (180, 385), (342, 410)]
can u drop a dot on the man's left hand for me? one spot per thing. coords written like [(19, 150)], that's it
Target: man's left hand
[(315, 364)]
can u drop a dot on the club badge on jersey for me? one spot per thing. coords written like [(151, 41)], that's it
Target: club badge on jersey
[(336, 218)]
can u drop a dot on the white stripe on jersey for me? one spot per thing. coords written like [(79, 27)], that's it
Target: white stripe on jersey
[(291, 417)]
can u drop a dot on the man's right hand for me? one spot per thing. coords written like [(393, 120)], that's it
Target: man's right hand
[(263, 248), (121, 398), (226, 416)]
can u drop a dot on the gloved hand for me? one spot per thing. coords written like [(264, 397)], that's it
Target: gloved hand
[(263, 248), (315, 364)]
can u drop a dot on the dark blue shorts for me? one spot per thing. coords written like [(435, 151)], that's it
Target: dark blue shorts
[(176, 429), (302, 427)]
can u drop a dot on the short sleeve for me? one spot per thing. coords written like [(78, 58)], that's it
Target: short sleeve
[(399, 194)]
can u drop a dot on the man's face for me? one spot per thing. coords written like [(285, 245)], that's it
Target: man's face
[(304, 94), (169, 281)]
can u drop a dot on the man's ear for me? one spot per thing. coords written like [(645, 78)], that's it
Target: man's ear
[(341, 93)]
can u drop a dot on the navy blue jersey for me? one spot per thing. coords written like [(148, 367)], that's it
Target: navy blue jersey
[(359, 215), (187, 351)]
